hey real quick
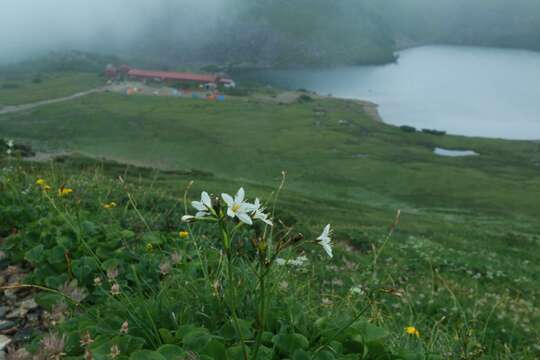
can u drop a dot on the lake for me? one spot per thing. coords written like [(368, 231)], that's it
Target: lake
[(463, 90)]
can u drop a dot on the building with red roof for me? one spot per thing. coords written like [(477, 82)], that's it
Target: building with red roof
[(172, 76)]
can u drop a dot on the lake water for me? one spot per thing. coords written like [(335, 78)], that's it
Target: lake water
[(463, 90)]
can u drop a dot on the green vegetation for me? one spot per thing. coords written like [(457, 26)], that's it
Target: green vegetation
[(407, 128), (319, 143), (24, 89), (461, 266)]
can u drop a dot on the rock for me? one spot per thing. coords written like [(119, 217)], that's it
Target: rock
[(32, 317), (3, 311), (3, 355), (16, 313), (4, 342), (29, 304), (10, 294), (6, 324), (23, 336)]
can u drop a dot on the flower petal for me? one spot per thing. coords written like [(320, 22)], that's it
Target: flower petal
[(328, 248), (202, 214), (188, 218), (228, 199), (257, 203), (240, 195), (205, 199), (198, 205), (244, 218)]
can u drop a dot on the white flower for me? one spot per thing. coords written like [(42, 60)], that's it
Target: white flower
[(357, 290), (299, 261), (258, 213), (203, 207), (9, 152), (10, 143), (238, 208), (188, 218), (325, 241)]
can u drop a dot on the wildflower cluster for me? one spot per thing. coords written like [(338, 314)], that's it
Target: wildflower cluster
[(63, 191), (156, 288), (10, 147), (43, 184), (237, 208)]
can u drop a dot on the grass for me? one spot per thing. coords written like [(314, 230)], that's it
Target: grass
[(465, 254), (28, 89), (362, 162)]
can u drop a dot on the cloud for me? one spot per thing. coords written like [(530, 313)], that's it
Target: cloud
[(32, 26)]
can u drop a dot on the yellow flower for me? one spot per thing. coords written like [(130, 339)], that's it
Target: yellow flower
[(411, 330), (63, 191), (149, 247), (43, 184), (183, 234), (110, 205)]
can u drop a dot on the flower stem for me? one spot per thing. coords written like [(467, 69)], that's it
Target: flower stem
[(232, 304), (232, 292), (262, 310)]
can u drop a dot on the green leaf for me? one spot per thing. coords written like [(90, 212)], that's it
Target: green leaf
[(126, 343), (147, 355), (336, 347), (172, 352), (66, 243), (373, 333), (167, 336), (215, 349), (35, 255), (127, 234), (324, 355), (229, 332), (288, 343), (83, 268), (89, 228), (301, 355), (153, 238), (265, 353), (197, 339), (48, 300), (236, 353), (54, 282), (267, 338), (56, 255)]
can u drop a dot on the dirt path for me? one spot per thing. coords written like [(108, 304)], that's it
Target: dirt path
[(23, 107)]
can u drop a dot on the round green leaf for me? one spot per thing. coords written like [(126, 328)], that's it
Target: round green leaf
[(172, 352), (147, 355)]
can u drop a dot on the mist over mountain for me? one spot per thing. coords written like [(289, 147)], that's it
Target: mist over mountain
[(498, 23), (262, 32)]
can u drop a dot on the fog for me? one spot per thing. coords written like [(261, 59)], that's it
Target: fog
[(265, 31), (30, 27)]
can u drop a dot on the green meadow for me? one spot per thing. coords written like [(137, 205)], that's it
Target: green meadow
[(461, 266), (24, 89)]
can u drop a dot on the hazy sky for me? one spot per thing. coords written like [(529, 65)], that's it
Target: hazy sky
[(32, 26)]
